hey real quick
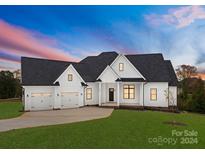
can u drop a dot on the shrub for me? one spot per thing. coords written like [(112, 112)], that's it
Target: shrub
[(198, 98)]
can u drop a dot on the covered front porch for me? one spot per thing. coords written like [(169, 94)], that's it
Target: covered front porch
[(121, 93)]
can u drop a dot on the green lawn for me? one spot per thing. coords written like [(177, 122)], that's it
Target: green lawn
[(10, 109), (123, 129)]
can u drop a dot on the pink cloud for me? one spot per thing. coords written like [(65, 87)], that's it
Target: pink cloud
[(9, 60), (179, 17), (17, 41)]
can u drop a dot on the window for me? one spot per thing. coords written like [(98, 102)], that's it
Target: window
[(89, 93), (70, 77), (121, 67), (153, 94), (128, 91), (41, 94)]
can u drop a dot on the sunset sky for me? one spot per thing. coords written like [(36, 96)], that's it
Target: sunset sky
[(71, 33)]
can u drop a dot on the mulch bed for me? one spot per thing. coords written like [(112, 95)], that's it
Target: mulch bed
[(174, 123)]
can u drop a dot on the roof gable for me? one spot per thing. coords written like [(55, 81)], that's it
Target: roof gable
[(91, 67), (71, 69), (36, 71), (108, 75), (130, 71)]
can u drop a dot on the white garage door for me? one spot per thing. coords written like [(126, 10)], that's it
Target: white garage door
[(41, 101), (69, 99)]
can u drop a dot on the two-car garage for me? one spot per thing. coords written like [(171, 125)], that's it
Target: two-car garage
[(47, 99), (53, 88)]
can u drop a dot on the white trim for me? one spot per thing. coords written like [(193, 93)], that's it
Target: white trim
[(118, 93), (105, 70), (121, 55), (99, 93), (66, 70)]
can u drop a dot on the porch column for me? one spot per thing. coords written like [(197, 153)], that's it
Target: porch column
[(118, 93), (100, 90), (142, 94)]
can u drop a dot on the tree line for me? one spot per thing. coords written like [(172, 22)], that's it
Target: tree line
[(191, 95), (9, 86)]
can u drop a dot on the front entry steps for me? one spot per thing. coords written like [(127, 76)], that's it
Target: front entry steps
[(110, 105), (123, 106)]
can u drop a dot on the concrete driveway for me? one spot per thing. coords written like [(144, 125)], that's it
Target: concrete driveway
[(44, 118)]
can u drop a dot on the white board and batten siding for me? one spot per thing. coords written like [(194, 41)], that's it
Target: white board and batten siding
[(162, 100), (95, 95), (108, 75), (173, 95), (129, 70)]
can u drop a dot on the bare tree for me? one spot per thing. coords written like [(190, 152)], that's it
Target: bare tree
[(186, 71)]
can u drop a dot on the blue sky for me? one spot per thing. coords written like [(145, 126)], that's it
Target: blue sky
[(74, 32)]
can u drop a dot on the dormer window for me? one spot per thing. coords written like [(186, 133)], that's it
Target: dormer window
[(70, 77), (121, 67)]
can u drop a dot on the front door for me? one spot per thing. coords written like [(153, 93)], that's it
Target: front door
[(111, 94)]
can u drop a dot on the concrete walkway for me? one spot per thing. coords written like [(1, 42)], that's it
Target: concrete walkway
[(44, 118)]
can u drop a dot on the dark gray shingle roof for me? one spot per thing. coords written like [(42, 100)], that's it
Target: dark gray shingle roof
[(44, 72), (151, 66), (172, 76), (91, 67), (37, 71)]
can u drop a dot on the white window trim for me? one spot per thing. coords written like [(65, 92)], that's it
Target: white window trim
[(128, 91), (121, 67), (151, 99), (91, 93), (71, 75)]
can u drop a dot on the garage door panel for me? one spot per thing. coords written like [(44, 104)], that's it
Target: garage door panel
[(69, 99), (41, 101)]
